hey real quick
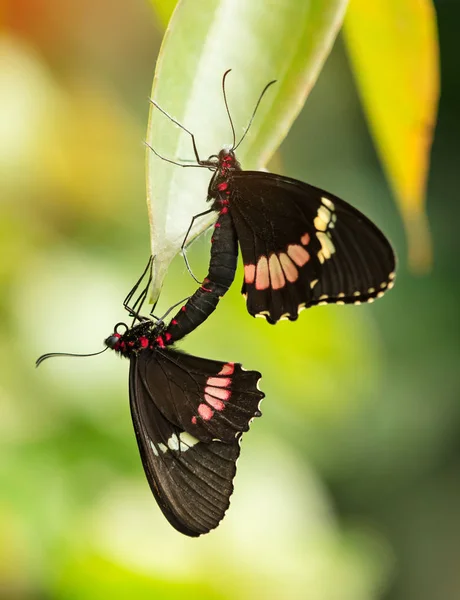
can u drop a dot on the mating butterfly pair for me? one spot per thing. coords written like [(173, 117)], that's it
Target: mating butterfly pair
[(301, 246)]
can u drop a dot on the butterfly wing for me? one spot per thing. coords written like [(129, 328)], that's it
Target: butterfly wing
[(191, 479), (207, 398), (303, 246)]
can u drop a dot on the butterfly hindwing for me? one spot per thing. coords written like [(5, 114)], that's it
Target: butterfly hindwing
[(302, 246), (191, 480), (207, 398)]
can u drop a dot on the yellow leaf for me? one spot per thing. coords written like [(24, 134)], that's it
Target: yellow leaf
[(393, 48)]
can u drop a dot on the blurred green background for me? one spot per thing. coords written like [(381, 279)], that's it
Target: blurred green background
[(349, 486)]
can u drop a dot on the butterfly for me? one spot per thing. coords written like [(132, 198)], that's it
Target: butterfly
[(301, 246), (189, 414)]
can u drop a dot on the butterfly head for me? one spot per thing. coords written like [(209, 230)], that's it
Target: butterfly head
[(128, 342)]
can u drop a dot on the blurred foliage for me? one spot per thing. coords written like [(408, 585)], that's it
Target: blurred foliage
[(349, 486), (393, 48)]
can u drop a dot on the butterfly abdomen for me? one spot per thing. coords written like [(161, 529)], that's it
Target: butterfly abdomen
[(222, 268)]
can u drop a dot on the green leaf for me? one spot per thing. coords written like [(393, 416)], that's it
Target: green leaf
[(393, 47), (288, 41), (163, 9)]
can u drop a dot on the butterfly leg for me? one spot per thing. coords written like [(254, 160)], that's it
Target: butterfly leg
[(137, 306), (184, 243)]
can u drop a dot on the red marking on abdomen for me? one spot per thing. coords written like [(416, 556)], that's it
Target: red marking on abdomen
[(216, 224), (143, 341), (159, 340), (168, 336), (174, 322), (224, 210), (227, 369), (222, 186), (249, 273), (184, 308), (205, 412)]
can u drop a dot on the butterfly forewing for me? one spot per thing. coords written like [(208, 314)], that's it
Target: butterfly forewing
[(302, 246), (191, 480)]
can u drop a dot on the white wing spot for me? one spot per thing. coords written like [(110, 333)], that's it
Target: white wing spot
[(173, 442), (154, 448)]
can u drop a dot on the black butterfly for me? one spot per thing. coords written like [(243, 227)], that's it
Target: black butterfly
[(301, 246), (189, 414)]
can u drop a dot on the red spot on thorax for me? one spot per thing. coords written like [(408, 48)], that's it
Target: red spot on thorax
[(216, 224), (222, 186), (224, 210), (168, 336), (159, 340), (174, 322), (131, 344), (184, 308), (143, 341)]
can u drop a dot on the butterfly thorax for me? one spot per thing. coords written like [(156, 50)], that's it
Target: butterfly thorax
[(146, 335), (220, 186)]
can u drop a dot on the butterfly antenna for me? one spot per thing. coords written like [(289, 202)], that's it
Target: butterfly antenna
[(254, 113), (226, 106), (39, 360)]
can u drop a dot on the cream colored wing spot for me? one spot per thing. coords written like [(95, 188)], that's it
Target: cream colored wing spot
[(356, 293), (370, 300), (276, 273), (371, 290), (298, 254), (263, 314), (187, 441), (313, 283), (392, 275), (322, 303), (328, 203), (323, 297), (357, 302), (162, 447), (340, 303), (380, 294), (262, 277), (319, 224), (391, 285), (383, 285), (290, 270), (327, 246), (249, 273), (341, 295)]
